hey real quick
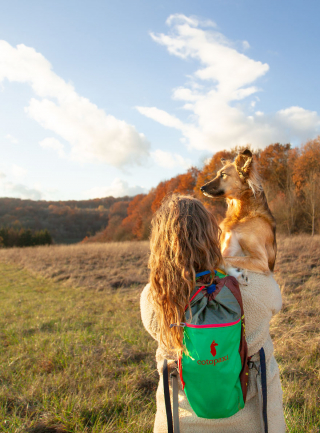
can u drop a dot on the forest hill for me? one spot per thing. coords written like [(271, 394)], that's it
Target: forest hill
[(291, 181), (67, 221)]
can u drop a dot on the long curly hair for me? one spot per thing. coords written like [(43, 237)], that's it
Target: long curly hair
[(184, 241)]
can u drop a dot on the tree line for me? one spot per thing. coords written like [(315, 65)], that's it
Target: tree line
[(67, 221), (10, 237), (291, 181), (290, 177)]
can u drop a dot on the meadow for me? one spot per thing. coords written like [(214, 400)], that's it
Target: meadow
[(74, 356)]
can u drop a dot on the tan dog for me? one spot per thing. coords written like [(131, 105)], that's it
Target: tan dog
[(249, 229)]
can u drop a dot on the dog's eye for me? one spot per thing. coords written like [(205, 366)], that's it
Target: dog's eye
[(223, 176)]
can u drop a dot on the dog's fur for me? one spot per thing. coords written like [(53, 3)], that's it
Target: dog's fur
[(249, 230)]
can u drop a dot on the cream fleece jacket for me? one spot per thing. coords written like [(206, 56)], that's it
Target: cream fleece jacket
[(261, 300)]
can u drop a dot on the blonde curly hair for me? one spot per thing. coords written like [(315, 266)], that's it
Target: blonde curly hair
[(184, 241)]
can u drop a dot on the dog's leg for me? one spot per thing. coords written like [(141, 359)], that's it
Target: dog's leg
[(240, 274), (255, 264), (255, 259)]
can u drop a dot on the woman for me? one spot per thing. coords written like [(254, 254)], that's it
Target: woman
[(184, 241)]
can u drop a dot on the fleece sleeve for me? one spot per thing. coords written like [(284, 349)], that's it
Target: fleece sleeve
[(276, 297), (148, 315)]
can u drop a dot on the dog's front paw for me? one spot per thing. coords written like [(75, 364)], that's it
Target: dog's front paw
[(243, 277), (240, 274)]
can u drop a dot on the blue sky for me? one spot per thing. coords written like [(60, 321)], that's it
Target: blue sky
[(103, 98)]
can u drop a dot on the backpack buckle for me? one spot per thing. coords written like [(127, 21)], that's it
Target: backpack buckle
[(252, 364)]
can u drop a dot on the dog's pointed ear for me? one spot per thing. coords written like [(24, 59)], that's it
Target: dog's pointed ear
[(243, 163)]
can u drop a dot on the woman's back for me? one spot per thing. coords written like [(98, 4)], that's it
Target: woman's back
[(184, 241)]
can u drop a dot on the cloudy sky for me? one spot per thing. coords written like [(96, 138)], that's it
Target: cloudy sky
[(101, 97)]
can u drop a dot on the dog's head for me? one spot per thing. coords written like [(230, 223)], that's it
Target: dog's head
[(234, 178)]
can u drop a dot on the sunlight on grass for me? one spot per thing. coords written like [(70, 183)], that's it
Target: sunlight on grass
[(72, 361)]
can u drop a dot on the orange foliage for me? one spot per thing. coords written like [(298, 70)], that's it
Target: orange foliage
[(275, 164), (283, 169), (307, 164), (307, 179), (183, 184), (133, 222)]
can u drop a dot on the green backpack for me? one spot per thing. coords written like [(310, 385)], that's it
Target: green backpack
[(214, 367)]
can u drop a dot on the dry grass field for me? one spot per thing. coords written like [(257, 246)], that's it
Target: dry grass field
[(74, 356), (296, 331), (95, 266)]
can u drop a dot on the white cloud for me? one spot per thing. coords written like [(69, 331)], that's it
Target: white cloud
[(18, 190), (184, 94), (18, 171), (220, 114), (222, 64), (245, 45), (170, 160), (12, 139), (192, 20), (118, 188), (161, 116), (93, 135), (53, 143), (298, 118)]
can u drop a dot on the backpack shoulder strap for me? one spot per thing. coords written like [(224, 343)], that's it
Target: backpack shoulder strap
[(175, 401), (173, 425), (264, 387), (261, 386), (167, 396)]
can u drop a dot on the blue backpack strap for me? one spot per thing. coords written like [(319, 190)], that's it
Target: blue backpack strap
[(264, 388), (167, 396), (201, 274)]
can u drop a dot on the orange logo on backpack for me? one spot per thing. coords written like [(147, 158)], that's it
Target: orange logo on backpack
[(213, 348)]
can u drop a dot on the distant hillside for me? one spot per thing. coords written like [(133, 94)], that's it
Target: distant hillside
[(291, 181), (67, 221), (290, 176)]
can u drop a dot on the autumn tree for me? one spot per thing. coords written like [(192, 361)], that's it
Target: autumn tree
[(183, 184), (132, 224), (274, 167), (306, 177), (276, 164), (142, 231), (113, 232), (187, 182)]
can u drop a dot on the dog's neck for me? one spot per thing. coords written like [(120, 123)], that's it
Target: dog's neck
[(248, 205)]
